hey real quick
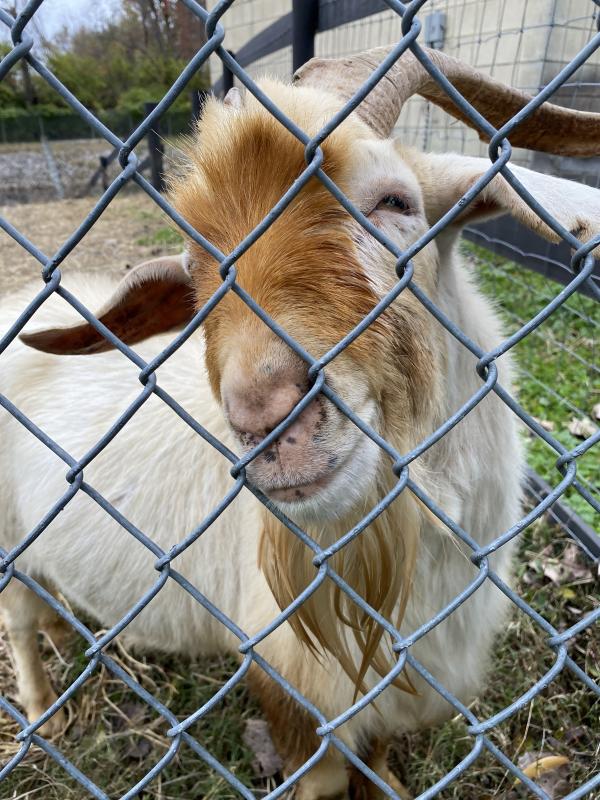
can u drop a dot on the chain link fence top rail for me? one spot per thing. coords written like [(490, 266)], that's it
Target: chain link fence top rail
[(566, 460)]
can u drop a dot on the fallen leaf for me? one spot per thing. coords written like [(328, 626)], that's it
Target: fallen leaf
[(549, 772), (138, 750), (132, 715), (555, 782), (582, 428), (539, 766), (546, 424), (567, 593), (573, 734), (569, 568), (575, 611), (554, 572), (579, 568), (257, 738)]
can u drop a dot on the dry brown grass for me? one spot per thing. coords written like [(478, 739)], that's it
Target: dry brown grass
[(131, 230), (114, 738)]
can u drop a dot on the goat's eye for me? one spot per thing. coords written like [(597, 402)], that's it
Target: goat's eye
[(392, 202)]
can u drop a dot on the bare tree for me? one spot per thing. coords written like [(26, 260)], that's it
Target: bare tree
[(190, 31)]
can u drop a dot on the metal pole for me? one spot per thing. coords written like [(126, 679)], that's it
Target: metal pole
[(155, 150), (227, 76), (305, 19)]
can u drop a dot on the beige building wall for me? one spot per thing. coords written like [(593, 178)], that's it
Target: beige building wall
[(244, 20), (524, 43)]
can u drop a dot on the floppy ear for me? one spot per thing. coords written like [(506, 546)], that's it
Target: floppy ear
[(445, 178), (154, 297)]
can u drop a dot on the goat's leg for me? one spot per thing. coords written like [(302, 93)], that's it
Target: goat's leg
[(53, 625), (22, 613), (375, 757), (294, 737)]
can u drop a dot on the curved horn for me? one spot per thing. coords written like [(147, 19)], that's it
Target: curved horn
[(550, 128)]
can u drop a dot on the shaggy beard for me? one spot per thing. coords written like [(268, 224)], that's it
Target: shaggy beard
[(378, 564)]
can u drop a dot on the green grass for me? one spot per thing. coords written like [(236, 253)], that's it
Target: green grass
[(558, 363), (161, 237)]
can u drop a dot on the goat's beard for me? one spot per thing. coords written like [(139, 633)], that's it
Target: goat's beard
[(378, 564)]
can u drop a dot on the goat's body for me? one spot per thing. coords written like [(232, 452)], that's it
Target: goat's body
[(165, 480)]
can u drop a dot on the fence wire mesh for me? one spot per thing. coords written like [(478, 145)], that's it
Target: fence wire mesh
[(524, 46), (180, 733)]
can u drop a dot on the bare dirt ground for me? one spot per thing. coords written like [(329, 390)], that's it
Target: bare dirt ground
[(131, 230)]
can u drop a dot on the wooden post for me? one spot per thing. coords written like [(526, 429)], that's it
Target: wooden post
[(155, 150), (227, 76)]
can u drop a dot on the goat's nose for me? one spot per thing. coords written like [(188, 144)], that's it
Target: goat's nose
[(257, 400), (255, 411)]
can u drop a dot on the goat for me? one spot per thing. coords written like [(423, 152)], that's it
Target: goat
[(317, 273)]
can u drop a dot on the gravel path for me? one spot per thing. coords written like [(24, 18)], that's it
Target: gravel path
[(25, 176)]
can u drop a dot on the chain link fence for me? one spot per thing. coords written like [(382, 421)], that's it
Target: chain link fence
[(181, 732)]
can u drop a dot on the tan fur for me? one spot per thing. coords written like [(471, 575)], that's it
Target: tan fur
[(242, 163), (378, 565), (23, 613), (304, 263), (292, 728)]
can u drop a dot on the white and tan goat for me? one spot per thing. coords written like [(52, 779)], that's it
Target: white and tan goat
[(317, 272)]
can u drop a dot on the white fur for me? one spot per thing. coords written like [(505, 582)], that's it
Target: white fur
[(165, 480)]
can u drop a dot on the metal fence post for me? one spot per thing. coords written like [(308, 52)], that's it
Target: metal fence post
[(155, 150), (305, 17), (227, 76)]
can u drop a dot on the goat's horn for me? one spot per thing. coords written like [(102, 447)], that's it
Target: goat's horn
[(550, 128)]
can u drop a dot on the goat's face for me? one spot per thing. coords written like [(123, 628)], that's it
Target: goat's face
[(317, 273)]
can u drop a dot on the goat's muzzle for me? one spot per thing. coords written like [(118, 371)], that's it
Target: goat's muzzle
[(300, 462)]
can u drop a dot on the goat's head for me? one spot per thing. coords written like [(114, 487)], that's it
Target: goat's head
[(317, 274)]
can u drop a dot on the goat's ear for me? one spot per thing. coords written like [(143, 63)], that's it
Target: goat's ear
[(153, 298), (445, 178)]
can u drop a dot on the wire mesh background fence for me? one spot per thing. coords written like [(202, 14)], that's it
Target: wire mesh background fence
[(403, 25)]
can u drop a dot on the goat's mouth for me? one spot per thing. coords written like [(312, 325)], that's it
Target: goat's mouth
[(297, 492), (341, 485)]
